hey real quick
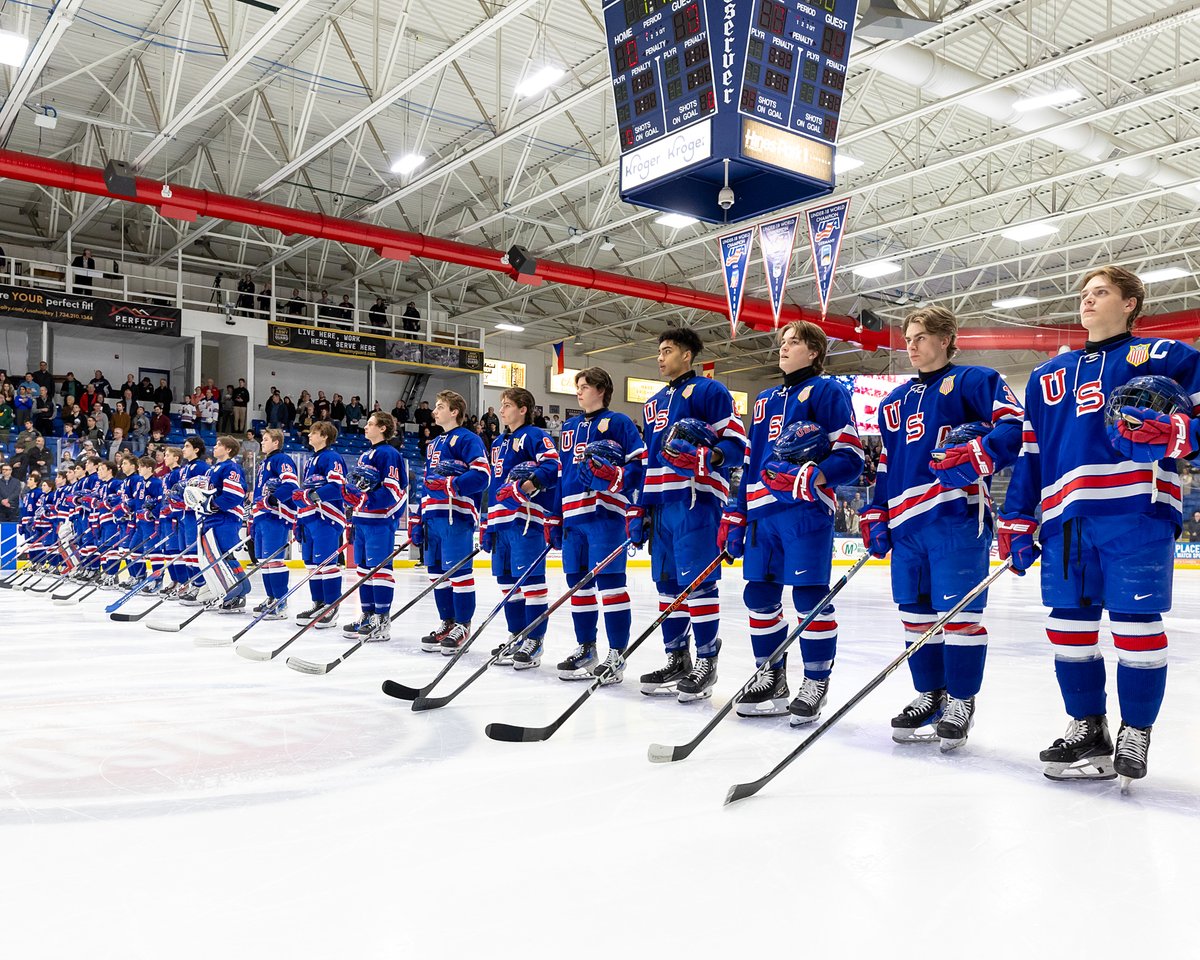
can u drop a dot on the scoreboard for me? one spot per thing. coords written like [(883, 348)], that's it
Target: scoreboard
[(759, 83)]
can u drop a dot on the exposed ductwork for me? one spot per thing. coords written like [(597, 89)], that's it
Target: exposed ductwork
[(184, 203)]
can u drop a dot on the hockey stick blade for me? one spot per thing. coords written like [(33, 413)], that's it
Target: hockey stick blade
[(213, 641), (176, 627), (508, 733), (260, 655), (740, 791), (134, 617), (401, 692), (307, 666)]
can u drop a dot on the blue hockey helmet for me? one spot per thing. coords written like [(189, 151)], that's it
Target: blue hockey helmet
[(965, 433), (365, 477), (448, 467), (802, 442), (606, 452), (520, 472), (689, 431), (314, 481), (1153, 392), (271, 485)]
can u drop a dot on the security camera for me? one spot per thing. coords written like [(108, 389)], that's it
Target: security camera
[(725, 198)]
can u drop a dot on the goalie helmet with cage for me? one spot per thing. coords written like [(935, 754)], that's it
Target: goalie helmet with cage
[(365, 477), (1152, 392), (802, 442), (689, 432), (604, 452)]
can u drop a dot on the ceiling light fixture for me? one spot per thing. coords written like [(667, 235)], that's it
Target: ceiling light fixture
[(676, 220), (13, 47), (880, 268), (1011, 303), (1029, 231), (538, 81), (510, 327), (1164, 273), (844, 163), (407, 163), (1053, 98)]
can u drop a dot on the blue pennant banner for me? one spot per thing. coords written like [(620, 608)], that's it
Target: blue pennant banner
[(777, 239), (735, 258), (826, 225)]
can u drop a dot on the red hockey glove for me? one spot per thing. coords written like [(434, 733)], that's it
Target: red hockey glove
[(1016, 541), (731, 534), (1145, 435), (873, 525), (962, 466)]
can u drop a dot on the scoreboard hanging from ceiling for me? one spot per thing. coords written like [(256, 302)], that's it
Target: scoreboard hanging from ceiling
[(757, 83)]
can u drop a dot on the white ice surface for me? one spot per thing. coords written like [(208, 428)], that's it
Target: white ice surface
[(161, 800)]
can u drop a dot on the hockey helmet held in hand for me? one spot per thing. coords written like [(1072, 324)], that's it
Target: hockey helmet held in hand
[(525, 470), (802, 442), (448, 467), (1153, 392), (963, 434), (314, 481), (270, 486), (690, 432), (365, 477), (607, 452)]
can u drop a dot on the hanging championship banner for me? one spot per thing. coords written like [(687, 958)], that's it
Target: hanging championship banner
[(735, 258), (777, 239), (826, 225)]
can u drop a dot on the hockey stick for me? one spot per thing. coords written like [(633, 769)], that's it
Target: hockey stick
[(9, 582), (132, 617), (432, 703), (230, 641), (95, 558), (511, 733), (658, 753), (401, 692), (141, 585), (251, 654), (246, 575), (57, 578), (308, 666), (739, 791)]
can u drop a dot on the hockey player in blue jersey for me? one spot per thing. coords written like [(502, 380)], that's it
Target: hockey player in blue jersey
[(191, 469), (603, 462), (931, 508), (321, 515), (273, 515), (1111, 508), (783, 521), (171, 520), (133, 497), (683, 494), (524, 492), (456, 475), (149, 534), (220, 508), (377, 493)]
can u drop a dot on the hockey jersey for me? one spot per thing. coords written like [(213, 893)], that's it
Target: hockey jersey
[(133, 498), (386, 503), (579, 501), (915, 418), (278, 467), (803, 395), (467, 499), (329, 471), (228, 484), (525, 444), (1067, 466), (703, 399)]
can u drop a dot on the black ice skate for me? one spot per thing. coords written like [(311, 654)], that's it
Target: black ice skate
[(661, 683), (915, 723), (310, 614), (806, 708), (528, 655), (506, 651), (455, 638), (958, 717), (580, 665), (1084, 752), (612, 670), (698, 684), (1133, 746), (767, 696), (432, 641)]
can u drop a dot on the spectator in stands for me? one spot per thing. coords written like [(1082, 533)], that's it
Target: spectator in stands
[(241, 403), (73, 417), (89, 399), (345, 309), (245, 300), (163, 395), (28, 434), (491, 422), (130, 384), (23, 403), (210, 390), (6, 422), (423, 416), (209, 411), (160, 423), (145, 392), (83, 281), (289, 412), (377, 315), (119, 444), (305, 417), (251, 448), (273, 409), (39, 456), (424, 437), (264, 300), (10, 495), (1191, 528), (92, 432), (225, 421), (44, 378), (120, 419), (411, 318), (354, 416), (337, 411), (187, 416), (44, 410), (325, 307), (100, 384), (296, 305), (71, 388), (305, 397), (140, 435), (101, 415), (321, 407), (400, 415)]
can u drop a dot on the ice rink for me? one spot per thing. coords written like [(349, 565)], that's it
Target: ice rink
[(165, 800)]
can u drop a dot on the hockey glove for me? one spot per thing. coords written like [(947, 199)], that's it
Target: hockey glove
[(353, 496), (1144, 435), (689, 460), (731, 534), (302, 498), (791, 483), (440, 485), (512, 496), (416, 532), (877, 538), (604, 476), (637, 525), (487, 538), (1016, 541), (553, 532), (961, 466)]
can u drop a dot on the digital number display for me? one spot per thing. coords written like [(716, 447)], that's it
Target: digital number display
[(830, 128), (645, 104), (675, 88), (623, 113), (829, 101), (755, 49), (749, 99), (752, 72), (643, 81), (621, 92), (638, 10), (833, 79), (780, 58), (627, 137), (695, 53), (833, 43), (687, 21), (671, 67), (810, 70), (778, 82), (807, 92), (699, 78), (772, 17), (708, 102), (626, 55)]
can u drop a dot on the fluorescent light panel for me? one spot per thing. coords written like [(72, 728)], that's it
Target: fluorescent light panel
[(539, 80), (1011, 303), (1164, 273), (1029, 231), (13, 47), (844, 163), (675, 220), (407, 163), (880, 268), (510, 327), (1053, 98)]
